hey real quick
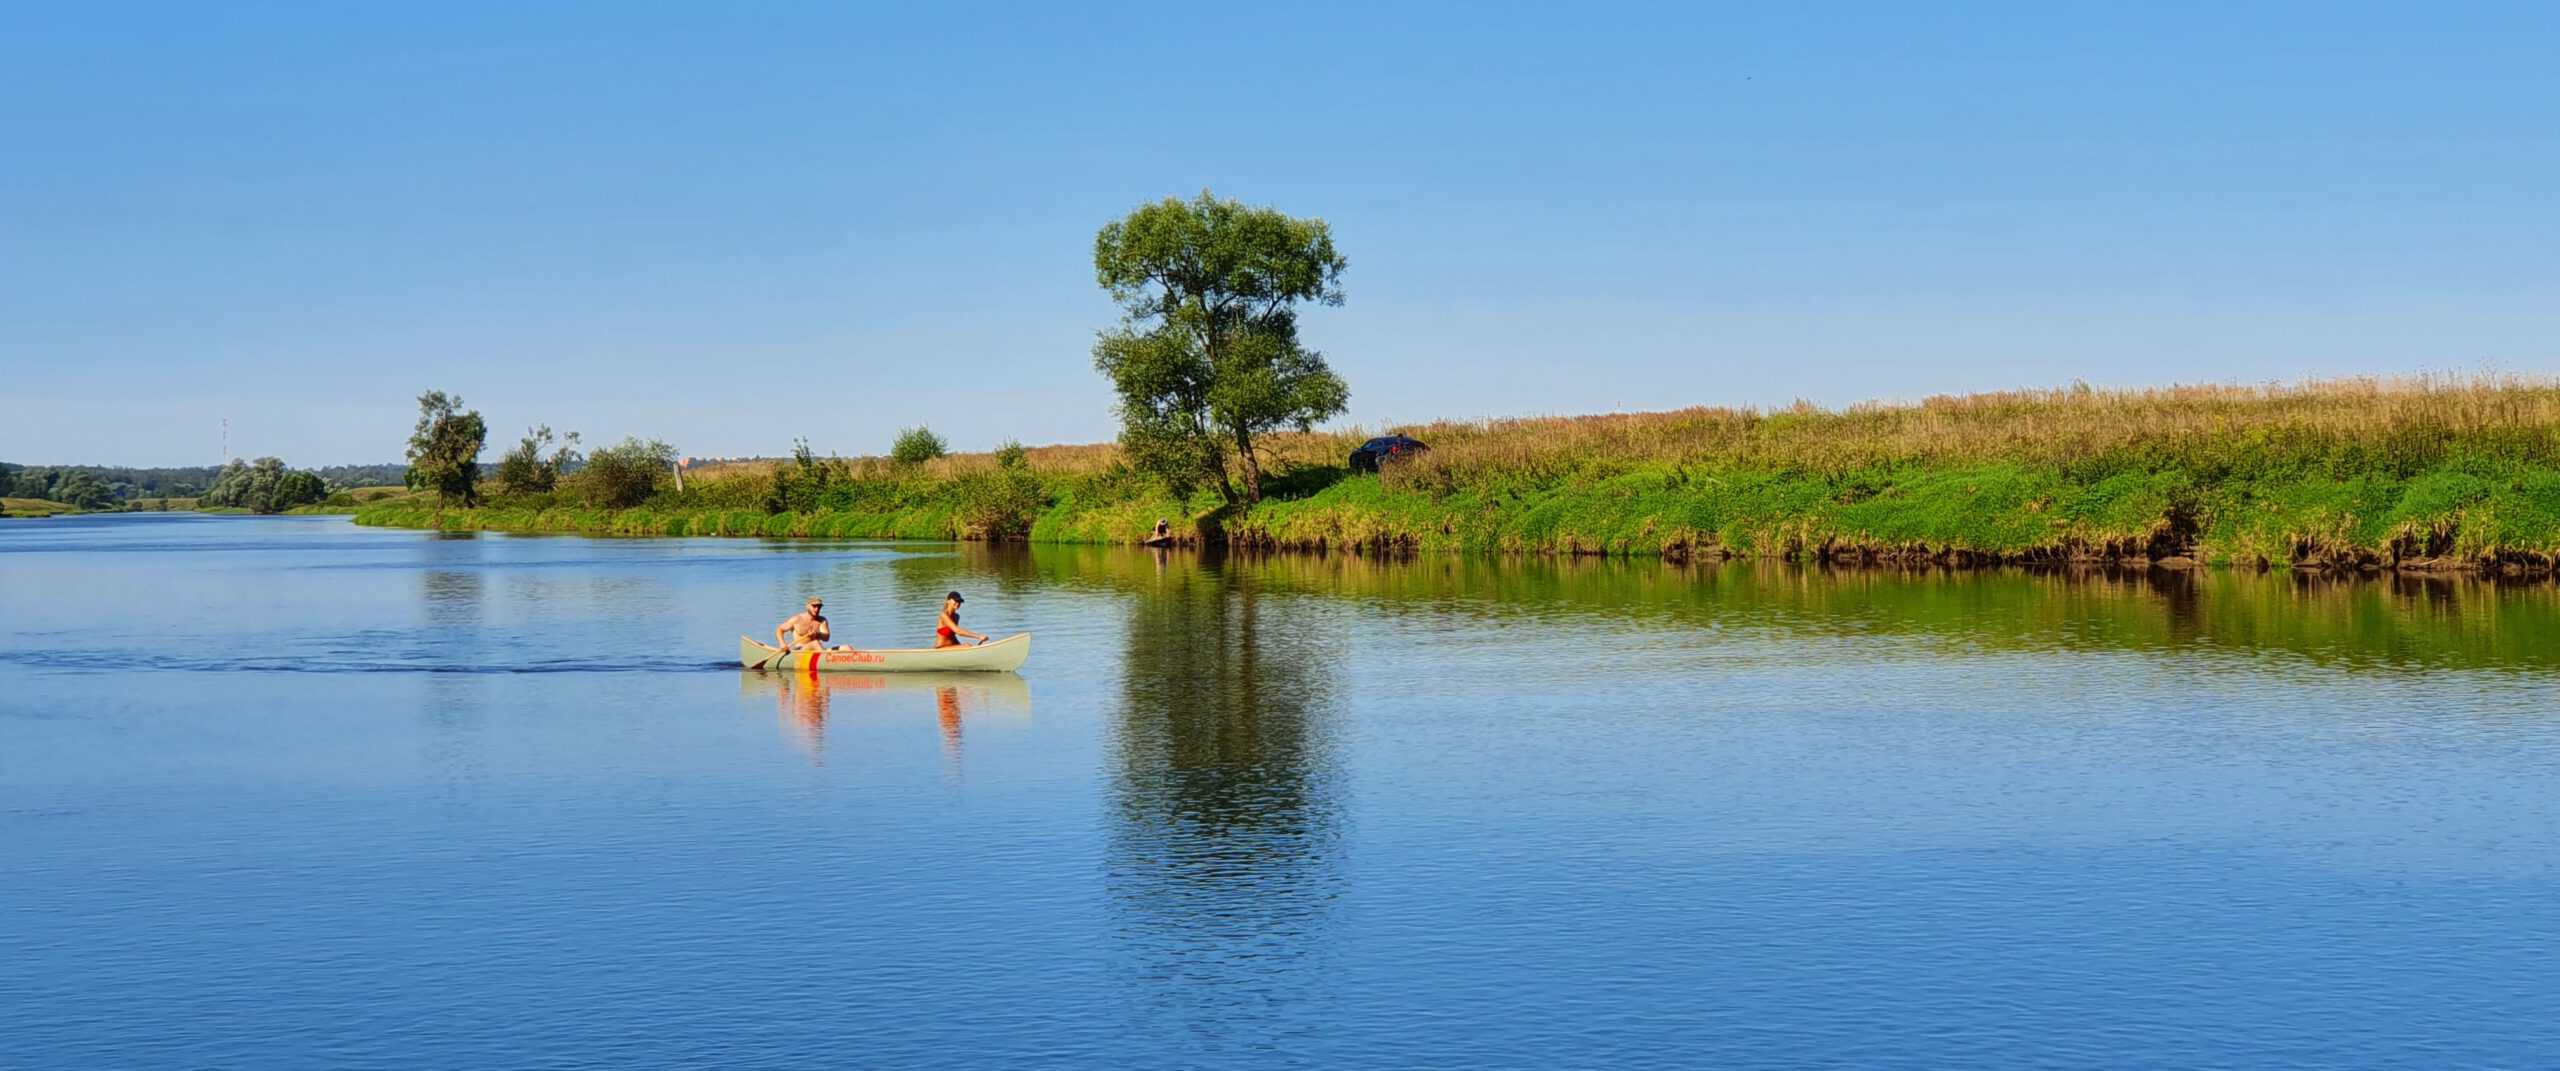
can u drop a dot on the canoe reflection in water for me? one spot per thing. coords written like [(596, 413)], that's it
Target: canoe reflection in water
[(805, 702)]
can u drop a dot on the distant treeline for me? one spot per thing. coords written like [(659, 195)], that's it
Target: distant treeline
[(124, 484)]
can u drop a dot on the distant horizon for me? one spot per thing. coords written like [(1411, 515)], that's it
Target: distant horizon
[(730, 229)]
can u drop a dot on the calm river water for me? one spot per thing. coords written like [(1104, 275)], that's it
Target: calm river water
[(287, 793)]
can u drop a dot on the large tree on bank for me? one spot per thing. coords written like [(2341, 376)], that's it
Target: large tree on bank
[(1206, 356), (444, 450)]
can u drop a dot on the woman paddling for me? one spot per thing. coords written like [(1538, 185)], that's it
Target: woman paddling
[(947, 631)]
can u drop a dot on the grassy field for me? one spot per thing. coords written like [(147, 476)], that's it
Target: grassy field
[(37, 507), (353, 499), (2422, 473), (32, 507)]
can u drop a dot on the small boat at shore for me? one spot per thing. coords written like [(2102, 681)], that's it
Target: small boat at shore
[(994, 656)]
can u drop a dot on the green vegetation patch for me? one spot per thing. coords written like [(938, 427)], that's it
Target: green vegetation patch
[(2354, 473)]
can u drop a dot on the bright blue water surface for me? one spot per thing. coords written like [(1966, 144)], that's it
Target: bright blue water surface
[(282, 793)]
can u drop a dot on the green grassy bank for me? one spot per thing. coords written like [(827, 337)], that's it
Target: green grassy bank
[(33, 507), (348, 501), (38, 507), (2360, 474)]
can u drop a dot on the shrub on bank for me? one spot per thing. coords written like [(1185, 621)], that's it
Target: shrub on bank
[(623, 475), (917, 445)]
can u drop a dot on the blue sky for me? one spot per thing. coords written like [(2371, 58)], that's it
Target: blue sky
[(727, 225)]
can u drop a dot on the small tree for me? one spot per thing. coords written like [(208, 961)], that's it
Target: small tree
[(1207, 355), (526, 470), (625, 474), (916, 446), (444, 450)]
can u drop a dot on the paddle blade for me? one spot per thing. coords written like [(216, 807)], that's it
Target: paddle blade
[(754, 655)]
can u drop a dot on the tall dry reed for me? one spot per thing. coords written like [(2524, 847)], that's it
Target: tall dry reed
[(2394, 422)]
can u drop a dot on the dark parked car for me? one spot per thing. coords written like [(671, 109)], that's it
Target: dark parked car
[(1382, 449)]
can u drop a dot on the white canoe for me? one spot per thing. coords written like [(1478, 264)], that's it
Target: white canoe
[(997, 656)]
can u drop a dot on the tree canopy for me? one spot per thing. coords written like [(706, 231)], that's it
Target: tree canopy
[(69, 486), (32, 483), (264, 486), (444, 450), (1206, 356), (81, 489), (187, 481)]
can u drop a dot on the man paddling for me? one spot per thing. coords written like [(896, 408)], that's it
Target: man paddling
[(808, 628)]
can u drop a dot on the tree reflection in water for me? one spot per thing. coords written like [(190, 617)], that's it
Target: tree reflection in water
[(1225, 855), (455, 707)]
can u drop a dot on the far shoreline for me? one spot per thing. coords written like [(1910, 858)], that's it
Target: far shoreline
[(2425, 475)]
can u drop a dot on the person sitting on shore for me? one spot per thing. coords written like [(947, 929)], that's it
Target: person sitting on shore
[(1164, 530), (947, 631), (808, 628)]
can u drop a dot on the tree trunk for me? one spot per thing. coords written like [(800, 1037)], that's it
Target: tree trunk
[(1252, 468), (1218, 479)]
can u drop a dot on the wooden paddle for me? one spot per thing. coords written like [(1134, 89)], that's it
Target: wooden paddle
[(767, 661)]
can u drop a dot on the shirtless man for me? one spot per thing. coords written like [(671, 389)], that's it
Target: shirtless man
[(808, 628)]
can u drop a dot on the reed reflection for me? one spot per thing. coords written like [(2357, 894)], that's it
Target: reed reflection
[(1225, 854), (2387, 623), (804, 703)]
